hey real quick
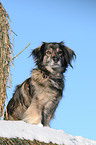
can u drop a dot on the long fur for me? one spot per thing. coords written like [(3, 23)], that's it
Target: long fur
[(37, 98)]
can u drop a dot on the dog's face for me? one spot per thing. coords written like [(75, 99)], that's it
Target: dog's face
[(53, 56)]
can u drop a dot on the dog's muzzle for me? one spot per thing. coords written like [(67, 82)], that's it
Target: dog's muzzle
[(55, 59)]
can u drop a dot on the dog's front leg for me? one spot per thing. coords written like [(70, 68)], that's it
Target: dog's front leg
[(33, 113)]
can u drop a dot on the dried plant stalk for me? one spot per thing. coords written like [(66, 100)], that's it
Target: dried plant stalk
[(6, 54)]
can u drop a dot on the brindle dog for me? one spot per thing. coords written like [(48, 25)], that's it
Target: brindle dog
[(36, 99)]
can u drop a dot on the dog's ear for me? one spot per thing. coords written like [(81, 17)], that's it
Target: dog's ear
[(68, 54), (38, 53)]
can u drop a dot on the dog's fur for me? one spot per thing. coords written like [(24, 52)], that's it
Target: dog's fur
[(37, 98)]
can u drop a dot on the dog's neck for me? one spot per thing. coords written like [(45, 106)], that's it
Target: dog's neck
[(49, 72), (54, 72)]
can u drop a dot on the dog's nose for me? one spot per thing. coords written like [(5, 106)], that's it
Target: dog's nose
[(55, 59)]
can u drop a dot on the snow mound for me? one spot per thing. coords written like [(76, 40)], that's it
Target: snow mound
[(20, 129)]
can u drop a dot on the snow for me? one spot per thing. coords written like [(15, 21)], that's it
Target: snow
[(20, 129)]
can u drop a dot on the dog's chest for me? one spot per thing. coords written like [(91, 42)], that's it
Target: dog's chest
[(46, 90)]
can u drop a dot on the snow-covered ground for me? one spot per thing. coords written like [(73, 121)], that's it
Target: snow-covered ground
[(13, 129)]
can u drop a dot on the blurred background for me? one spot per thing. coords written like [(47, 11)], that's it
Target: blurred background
[(71, 21)]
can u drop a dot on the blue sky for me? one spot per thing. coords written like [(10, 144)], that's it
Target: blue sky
[(71, 21)]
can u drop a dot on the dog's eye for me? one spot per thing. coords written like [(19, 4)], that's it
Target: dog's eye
[(60, 52), (48, 52)]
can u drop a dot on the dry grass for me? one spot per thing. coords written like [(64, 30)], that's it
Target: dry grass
[(17, 141), (6, 53)]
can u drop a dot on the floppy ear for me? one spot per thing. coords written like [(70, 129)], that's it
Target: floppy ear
[(68, 54), (38, 53)]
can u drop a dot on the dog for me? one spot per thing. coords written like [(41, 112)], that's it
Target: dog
[(36, 99)]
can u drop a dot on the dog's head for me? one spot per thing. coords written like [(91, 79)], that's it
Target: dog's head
[(53, 56)]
